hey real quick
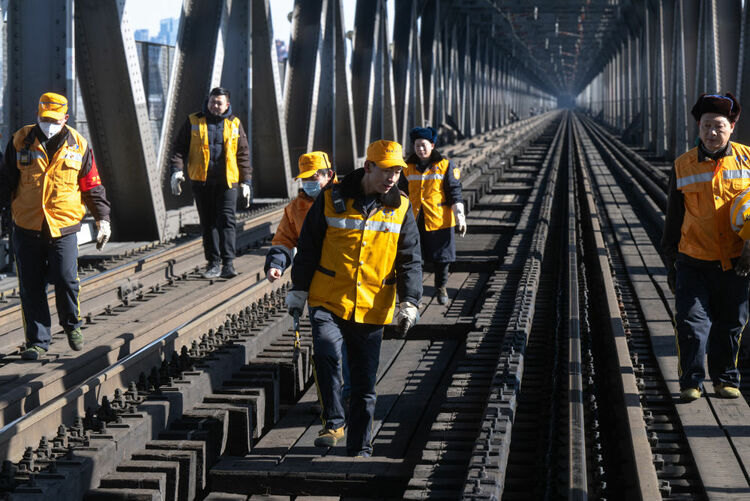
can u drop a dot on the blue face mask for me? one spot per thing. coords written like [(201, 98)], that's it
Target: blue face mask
[(312, 188)]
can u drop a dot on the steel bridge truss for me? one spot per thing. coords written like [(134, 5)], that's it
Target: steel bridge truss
[(659, 62), (448, 65)]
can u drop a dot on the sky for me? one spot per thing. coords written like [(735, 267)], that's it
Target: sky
[(148, 13)]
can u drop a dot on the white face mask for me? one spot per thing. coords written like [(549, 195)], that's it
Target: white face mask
[(49, 129)]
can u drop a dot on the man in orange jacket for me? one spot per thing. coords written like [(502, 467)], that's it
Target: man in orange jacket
[(315, 173), (49, 178), (707, 262)]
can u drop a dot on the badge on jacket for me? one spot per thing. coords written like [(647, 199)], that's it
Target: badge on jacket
[(457, 173), (24, 157)]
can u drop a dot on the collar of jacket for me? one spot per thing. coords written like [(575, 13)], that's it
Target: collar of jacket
[(435, 157), (703, 155), (63, 136), (227, 114), (351, 187)]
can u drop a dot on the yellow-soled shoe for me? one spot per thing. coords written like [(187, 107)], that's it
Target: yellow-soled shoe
[(690, 394), (728, 391), (328, 437)]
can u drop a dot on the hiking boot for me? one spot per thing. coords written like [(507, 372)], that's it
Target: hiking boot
[(728, 391), (227, 271), (75, 339), (328, 437), (33, 352), (442, 295), (212, 271), (690, 394)]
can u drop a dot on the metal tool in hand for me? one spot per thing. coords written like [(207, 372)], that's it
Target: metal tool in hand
[(297, 343)]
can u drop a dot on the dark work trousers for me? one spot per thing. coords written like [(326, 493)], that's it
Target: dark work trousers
[(329, 333), (441, 273), (711, 311), (216, 209), (43, 260)]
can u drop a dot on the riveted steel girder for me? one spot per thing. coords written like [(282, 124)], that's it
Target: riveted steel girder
[(272, 174), (121, 133), (40, 58)]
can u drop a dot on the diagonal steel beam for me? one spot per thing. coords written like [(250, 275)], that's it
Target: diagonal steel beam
[(121, 132)]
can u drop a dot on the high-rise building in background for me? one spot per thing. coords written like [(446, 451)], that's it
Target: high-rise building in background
[(167, 31), (141, 35)]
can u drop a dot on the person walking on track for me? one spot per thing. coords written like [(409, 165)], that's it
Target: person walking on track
[(315, 172), (358, 249), (707, 262), (214, 146), (49, 178), (432, 183)]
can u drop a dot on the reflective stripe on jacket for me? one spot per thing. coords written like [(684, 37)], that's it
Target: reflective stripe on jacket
[(199, 148), (355, 278), (48, 188), (708, 188), (426, 193)]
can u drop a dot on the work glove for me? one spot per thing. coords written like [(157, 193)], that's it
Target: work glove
[(273, 274), (295, 301), (247, 194), (176, 182), (407, 316), (458, 211), (103, 233)]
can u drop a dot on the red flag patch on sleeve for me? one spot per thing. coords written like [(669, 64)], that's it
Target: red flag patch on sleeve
[(92, 179)]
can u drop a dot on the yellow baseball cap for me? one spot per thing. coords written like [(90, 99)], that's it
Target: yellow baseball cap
[(53, 106), (312, 162), (386, 154)]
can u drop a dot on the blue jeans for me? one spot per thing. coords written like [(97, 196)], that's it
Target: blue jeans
[(711, 312), (330, 333), (42, 260)]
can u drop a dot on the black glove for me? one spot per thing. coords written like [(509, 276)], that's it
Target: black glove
[(672, 279)]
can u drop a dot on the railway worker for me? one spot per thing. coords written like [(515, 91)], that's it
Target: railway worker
[(214, 145), (707, 261), (358, 247), (432, 183), (315, 172), (48, 178)]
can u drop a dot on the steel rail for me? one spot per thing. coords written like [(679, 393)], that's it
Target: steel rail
[(124, 282), (577, 466)]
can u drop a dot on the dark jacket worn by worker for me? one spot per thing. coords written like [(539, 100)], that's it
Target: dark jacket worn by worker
[(47, 181), (356, 251), (697, 226), (215, 149), (433, 187)]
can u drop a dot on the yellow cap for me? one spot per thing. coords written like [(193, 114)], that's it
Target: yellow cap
[(312, 162), (386, 154), (53, 106)]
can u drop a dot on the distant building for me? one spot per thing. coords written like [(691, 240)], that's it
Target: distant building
[(141, 35), (167, 31)]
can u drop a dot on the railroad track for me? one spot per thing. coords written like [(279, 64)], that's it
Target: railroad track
[(550, 372)]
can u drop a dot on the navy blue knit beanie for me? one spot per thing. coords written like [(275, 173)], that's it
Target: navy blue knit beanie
[(423, 133)]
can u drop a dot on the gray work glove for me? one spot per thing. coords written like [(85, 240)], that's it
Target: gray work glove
[(176, 182), (407, 317)]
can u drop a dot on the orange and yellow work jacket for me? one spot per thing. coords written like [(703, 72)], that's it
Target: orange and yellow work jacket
[(709, 188), (50, 188), (426, 193), (356, 278), (199, 152)]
